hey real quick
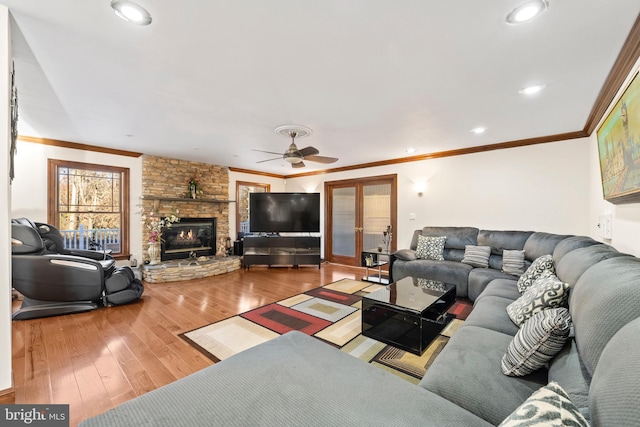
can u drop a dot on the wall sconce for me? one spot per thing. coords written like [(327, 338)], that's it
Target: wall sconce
[(419, 187)]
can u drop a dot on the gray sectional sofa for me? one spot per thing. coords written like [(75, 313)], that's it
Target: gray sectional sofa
[(298, 380)]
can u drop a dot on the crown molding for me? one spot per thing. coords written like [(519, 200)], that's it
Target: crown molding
[(77, 146), (627, 58)]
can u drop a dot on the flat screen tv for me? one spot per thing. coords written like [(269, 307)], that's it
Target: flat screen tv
[(284, 212)]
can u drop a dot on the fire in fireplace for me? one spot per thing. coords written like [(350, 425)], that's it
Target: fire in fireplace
[(189, 236)]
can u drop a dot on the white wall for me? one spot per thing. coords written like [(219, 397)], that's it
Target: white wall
[(539, 187), (29, 193), (5, 196), (625, 218)]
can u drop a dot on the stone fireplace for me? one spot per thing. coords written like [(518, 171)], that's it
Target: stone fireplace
[(191, 237), (165, 192)]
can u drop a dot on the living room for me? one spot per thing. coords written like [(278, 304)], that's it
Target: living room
[(553, 186)]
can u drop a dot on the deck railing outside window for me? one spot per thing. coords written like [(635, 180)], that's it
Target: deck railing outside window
[(92, 238)]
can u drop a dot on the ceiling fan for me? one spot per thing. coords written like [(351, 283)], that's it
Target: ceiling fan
[(294, 155)]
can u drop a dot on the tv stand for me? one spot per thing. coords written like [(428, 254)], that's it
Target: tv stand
[(277, 250)]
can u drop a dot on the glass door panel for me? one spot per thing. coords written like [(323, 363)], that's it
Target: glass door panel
[(343, 233), (376, 214)]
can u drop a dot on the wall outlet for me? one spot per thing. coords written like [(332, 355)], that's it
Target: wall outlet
[(412, 216), (604, 225)]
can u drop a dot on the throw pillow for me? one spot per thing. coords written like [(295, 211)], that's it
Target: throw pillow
[(513, 262), (477, 256), (539, 267), (546, 292), (540, 338), (548, 406), (430, 247)]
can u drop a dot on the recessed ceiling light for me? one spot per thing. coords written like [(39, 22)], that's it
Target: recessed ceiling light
[(530, 90), (526, 12), (478, 130), (131, 12), (411, 150)]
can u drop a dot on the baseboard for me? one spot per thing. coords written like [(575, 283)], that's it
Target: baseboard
[(8, 396)]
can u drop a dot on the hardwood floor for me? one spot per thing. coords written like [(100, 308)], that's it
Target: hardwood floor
[(96, 360)]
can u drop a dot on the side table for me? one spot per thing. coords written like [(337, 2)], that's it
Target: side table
[(375, 259)]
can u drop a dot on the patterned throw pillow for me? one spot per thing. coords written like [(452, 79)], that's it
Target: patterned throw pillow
[(549, 406), (430, 247), (513, 262), (546, 292), (540, 338), (477, 256), (540, 267)]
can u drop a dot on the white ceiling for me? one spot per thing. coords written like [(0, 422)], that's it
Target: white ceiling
[(210, 80)]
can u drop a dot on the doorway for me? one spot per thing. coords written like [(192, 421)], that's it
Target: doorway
[(243, 191), (357, 212)]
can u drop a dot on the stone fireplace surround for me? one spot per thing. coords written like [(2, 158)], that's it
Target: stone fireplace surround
[(165, 191)]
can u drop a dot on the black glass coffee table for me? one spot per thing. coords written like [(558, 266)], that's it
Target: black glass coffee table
[(408, 314)]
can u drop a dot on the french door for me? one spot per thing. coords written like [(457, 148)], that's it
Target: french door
[(357, 211)]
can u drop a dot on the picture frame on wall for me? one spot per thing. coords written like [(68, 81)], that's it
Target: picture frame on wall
[(619, 148)]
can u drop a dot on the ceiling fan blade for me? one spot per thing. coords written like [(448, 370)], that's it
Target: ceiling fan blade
[(268, 160), (298, 165), (269, 152), (321, 159), (309, 151)]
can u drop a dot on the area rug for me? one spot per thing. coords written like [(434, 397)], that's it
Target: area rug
[(331, 313)]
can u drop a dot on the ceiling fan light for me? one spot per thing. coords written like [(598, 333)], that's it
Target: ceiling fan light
[(293, 159)]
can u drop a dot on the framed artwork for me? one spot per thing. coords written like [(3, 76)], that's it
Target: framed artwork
[(14, 123), (619, 148)]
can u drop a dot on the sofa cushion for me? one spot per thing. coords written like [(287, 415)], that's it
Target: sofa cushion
[(539, 244), (541, 337), (549, 406), (295, 380), (513, 262), (571, 266), (467, 372), (567, 370), (479, 278), (477, 256), (546, 292), (570, 244), (406, 254), (452, 254), (505, 288), (430, 247), (542, 265), (457, 237), (490, 312), (614, 395), (603, 300), (500, 240)]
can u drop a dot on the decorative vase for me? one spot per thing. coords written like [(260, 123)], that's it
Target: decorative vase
[(154, 253), (193, 193)]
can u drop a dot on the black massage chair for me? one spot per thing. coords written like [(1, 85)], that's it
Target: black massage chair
[(54, 280)]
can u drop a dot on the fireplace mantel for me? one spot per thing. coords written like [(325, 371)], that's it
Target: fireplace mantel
[(156, 200)]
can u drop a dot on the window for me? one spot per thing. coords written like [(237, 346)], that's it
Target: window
[(89, 203), (243, 189)]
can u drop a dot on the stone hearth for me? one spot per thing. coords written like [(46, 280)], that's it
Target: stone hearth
[(185, 269)]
